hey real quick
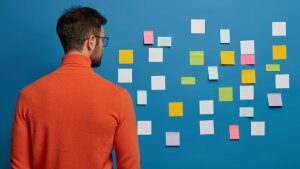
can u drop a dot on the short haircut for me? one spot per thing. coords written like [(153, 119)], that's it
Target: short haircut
[(76, 25)]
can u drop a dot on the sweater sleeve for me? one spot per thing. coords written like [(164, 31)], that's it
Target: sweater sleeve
[(126, 140), (20, 140)]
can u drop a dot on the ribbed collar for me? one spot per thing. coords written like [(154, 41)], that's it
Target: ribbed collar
[(76, 60)]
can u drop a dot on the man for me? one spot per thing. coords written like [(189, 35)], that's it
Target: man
[(72, 118)]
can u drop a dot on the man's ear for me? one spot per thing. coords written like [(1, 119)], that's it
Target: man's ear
[(91, 43)]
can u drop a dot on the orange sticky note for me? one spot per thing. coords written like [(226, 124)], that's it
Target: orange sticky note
[(248, 77), (234, 133), (125, 56), (148, 38), (175, 109), (227, 57), (247, 59), (279, 52)]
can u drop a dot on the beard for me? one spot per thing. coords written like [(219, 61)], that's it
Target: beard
[(96, 57)]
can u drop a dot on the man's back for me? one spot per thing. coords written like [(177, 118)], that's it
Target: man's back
[(72, 118)]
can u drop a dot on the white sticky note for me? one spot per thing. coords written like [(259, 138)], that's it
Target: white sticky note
[(144, 128), (282, 81), (206, 106), (142, 97), (224, 35), (213, 73), (247, 47), (246, 112), (155, 54), (164, 41), (274, 99), (206, 127), (158, 83), (198, 26), (257, 128), (172, 139), (125, 75), (278, 28), (247, 92)]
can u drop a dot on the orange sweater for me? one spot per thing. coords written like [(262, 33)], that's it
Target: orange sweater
[(71, 119)]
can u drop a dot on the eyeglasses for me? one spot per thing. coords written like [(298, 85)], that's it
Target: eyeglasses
[(104, 40)]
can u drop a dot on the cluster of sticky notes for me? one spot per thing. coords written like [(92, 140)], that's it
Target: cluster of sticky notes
[(225, 94)]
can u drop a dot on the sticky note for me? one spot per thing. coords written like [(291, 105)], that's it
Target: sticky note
[(247, 47), (158, 83), (278, 28), (148, 37), (141, 97), (206, 127), (125, 56), (257, 128), (188, 80), (164, 41), (225, 94), (246, 112), (175, 109), (234, 133), (213, 73), (172, 139), (224, 35), (282, 81), (273, 67), (206, 106), (196, 57), (227, 57), (155, 54), (247, 92), (279, 52), (144, 128), (274, 99), (248, 76), (247, 60), (198, 26), (125, 75)]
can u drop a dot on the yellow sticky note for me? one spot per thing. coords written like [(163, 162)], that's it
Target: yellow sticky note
[(248, 77), (125, 56), (279, 52), (175, 109), (227, 57)]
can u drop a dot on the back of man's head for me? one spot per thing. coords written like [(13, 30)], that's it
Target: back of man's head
[(77, 24)]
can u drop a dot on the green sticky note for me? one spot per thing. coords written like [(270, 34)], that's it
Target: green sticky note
[(196, 57), (225, 94), (272, 67), (188, 80)]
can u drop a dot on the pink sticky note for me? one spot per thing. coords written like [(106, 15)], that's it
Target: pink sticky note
[(148, 37), (247, 59), (234, 132)]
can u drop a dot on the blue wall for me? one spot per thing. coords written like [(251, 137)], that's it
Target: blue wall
[(30, 49)]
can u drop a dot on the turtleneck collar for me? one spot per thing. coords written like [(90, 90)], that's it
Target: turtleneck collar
[(76, 60)]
